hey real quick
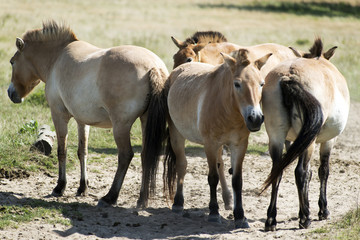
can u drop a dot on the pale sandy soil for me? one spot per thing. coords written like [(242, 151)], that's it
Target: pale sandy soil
[(158, 222)]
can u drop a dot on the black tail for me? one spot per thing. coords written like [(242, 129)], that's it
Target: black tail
[(155, 130), (294, 95), (169, 174)]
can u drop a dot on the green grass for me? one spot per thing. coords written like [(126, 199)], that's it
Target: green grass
[(347, 228), (13, 215)]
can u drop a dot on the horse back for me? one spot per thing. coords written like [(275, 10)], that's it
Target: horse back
[(100, 82)]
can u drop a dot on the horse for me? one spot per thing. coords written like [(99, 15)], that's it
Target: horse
[(207, 50), (190, 48), (212, 106), (206, 47), (106, 88), (304, 100)]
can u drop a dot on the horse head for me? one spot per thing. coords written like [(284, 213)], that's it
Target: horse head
[(24, 77), (188, 52), (248, 84)]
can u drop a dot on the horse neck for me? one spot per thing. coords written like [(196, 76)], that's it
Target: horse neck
[(222, 90), (43, 57)]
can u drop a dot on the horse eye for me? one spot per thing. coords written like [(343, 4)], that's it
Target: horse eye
[(189, 59), (237, 85), (262, 84), (11, 62)]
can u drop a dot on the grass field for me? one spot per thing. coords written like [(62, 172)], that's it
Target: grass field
[(150, 24)]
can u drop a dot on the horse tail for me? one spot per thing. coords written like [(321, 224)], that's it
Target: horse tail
[(155, 130), (169, 174), (309, 108)]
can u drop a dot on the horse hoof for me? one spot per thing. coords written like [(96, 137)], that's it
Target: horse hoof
[(270, 228), (323, 215), (242, 223), (141, 205), (270, 225), (177, 209), (81, 193), (214, 218), (57, 193), (304, 224), (228, 207), (103, 204)]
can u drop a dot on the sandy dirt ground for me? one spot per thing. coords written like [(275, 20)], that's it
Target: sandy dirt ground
[(125, 221)]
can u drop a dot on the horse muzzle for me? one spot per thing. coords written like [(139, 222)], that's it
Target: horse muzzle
[(13, 95), (254, 121)]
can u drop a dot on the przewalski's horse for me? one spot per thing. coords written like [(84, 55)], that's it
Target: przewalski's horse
[(206, 47), (209, 52), (190, 48), (213, 106), (108, 88), (305, 100)]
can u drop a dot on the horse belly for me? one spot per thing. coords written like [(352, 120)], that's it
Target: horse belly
[(336, 121), (187, 127), (96, 116), (186, 117)]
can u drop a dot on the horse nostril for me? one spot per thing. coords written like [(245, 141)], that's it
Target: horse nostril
[(250, 118)]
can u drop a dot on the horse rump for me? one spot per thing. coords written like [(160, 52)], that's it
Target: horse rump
[(296, 97)]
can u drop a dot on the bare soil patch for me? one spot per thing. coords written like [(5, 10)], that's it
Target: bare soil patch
[(157, 221)]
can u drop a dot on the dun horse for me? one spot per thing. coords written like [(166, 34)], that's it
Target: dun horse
[(213, 106), (98, 87), (206, 47), (305, 100), (207, 50)]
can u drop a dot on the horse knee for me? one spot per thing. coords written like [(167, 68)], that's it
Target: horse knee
[(124, 158), (213, 180)]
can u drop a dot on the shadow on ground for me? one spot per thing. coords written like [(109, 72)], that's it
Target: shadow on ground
[(320, 9)]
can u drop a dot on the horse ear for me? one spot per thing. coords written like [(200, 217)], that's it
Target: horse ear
[(20, 44), (296, 52), (230, 61), (198, 47), (330, 53), (178, 43), (261, 61)]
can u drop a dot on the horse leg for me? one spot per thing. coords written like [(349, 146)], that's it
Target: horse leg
[(60, 123), (303, 177), (226, 194), (178, 146), (213, 180), (125, 154), (237, 158), (83, 136), (275, 149), (325, 150)]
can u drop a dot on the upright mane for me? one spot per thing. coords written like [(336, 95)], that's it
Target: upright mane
[(206, 37), (316, 49), (51, 31)]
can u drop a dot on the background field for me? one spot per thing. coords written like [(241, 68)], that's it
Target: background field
[(150, 24)]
